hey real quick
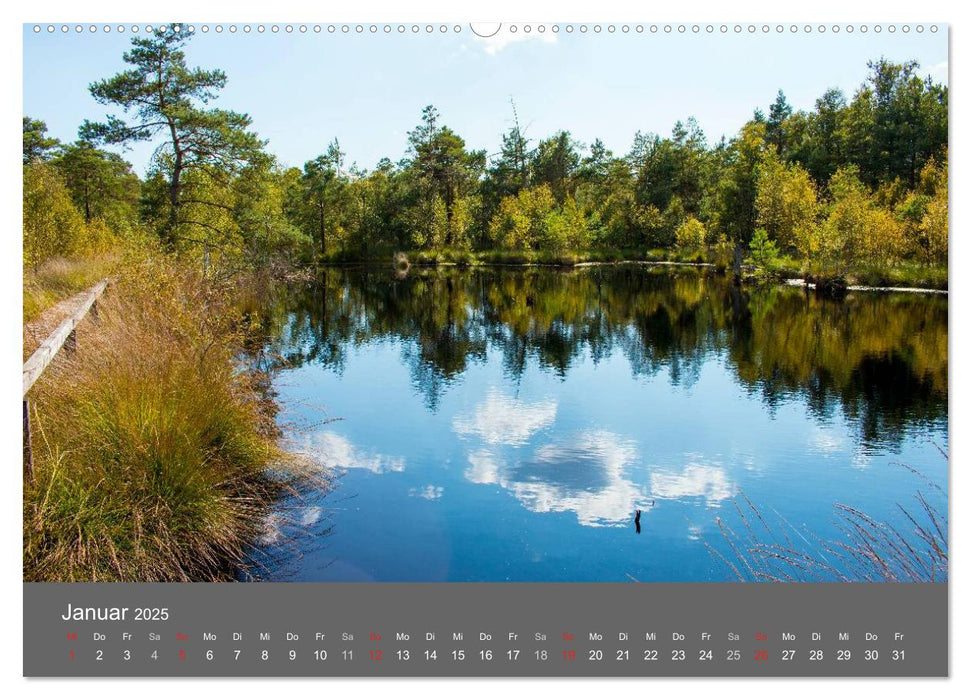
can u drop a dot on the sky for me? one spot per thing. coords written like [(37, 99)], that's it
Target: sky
[(368, 90)]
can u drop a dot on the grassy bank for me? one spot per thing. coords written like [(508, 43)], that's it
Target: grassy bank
[(562, 258), (449, 256), (904, 274), (59, 278), (151, 447)]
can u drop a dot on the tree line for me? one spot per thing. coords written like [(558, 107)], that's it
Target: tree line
[(883, 364), (859, 178)]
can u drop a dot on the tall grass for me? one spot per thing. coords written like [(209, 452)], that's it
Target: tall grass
[(59, 278), (769, 548), (151, 445)]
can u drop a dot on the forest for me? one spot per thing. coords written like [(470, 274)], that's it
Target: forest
[(858, 182)]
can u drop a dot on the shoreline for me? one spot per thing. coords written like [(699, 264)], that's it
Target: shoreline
[(800, 282), (780, 278)]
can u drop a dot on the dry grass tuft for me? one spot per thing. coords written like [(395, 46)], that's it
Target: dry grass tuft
[(156, 454)]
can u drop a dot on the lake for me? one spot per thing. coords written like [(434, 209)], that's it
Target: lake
[(505, 424)]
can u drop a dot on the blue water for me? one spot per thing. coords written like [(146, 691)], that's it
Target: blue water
[(505, 426)]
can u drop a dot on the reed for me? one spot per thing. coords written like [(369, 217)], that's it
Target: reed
[(770, 548), (156, 453)]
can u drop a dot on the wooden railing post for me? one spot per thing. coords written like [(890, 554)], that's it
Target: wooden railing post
[(28, 449), (64, 336)]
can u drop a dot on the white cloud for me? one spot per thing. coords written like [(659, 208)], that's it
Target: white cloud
[(335, 451), (610, 450), (310, 516), (826, 442), (585, 475), (274, 524), (860, 460), (500, 420), (483, 468), (694, 481), (939, 71), (429, 493), (503, 37)]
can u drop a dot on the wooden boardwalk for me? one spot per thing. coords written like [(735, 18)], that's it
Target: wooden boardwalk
[(64, 336)]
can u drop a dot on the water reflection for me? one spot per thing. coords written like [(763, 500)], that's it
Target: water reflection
[(335, 452), (501, 420), (429, 493), (587, 475), (881, 358), (513, 423), (694, 481)]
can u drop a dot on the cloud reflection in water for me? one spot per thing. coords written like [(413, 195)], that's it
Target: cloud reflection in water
[(334, 451), (502, 420), (694, 481), (587, 474)]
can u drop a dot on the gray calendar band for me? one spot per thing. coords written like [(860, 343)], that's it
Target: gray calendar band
[(887, 629)]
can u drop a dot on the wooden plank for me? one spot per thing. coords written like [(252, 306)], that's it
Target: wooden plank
[(43, 356)]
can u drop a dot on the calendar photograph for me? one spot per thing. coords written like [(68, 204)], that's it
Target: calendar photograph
[(451, 303)]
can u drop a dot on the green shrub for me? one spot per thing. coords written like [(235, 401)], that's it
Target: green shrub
[(690, 235), (763, 249)]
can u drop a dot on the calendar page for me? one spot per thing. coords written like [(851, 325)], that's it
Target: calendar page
[(514, 349)]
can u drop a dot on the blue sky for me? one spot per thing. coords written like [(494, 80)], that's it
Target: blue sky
[(302, 90)]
